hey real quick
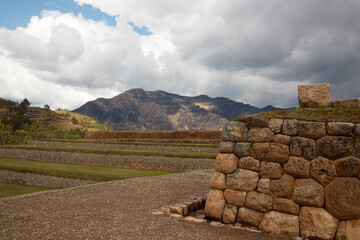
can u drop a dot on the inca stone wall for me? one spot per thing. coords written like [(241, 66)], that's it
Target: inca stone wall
[(288, 177)]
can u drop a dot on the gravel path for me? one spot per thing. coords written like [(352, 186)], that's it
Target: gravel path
[(113, 210)]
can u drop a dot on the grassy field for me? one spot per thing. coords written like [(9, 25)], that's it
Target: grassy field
[(7, 190), (75, 171)]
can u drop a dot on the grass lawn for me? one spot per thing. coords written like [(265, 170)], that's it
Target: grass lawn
[(75, 171), (7, 190)]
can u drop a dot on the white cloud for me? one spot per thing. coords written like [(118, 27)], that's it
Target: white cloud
[(253, 51)]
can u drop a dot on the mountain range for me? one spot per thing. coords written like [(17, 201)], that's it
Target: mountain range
[(137, 109)]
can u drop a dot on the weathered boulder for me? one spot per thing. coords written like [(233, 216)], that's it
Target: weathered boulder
[(249, 163), (348, 230), (242, 149), (308, 192), (236, 198), (313, 95), (226, 163), (218, 180), (340, 128), (283, 187), (229, 214), (357, 149), (334, 147), (303, 147), (257, 122), (290, 127), (260, 135), (286, 205), (281, 138), (280, 224), (357, 130), (317, 223), (258, 201), (270, 170), (347, 103), (297, 167), (348, 167), (271, 152), (226, 147), (342, 198), (264, 185), (234, 132), (323, 170), (249, 216), (312, 130), (242, 180), (215, 204), (275, 125)]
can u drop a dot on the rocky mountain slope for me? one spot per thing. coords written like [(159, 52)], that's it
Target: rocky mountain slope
[(137, 109)]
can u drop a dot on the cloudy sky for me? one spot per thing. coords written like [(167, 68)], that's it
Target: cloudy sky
[(65, 53)]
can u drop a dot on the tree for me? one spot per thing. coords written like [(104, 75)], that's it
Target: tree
[(47, 107)]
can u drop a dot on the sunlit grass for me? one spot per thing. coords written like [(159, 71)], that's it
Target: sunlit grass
[(7, 190)]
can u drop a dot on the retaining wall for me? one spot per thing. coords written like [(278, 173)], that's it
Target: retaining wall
[(288, 177), (109, 160)]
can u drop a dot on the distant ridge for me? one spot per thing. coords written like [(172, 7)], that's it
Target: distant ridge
[(137, 109)]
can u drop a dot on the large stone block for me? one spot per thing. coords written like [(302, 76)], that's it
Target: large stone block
[(257, 122), (280, 224), (348, 230), (286, 205), (270, 152), (313, 95), (317, 223), (357, 130), (275, 125), (303, 147), (242, 149), (260, 135), (342, 198), (281, 138), (218, 180), (290, 127), (297, 167), (249, 163), (229, 214), (264, 185), (242, 180), (347, 103), (307, 192), (312, 130), (270, 170), (283, 187), (334, 147), (215, 204), (323, 170), (348, 167), (249, 216), (340, 128), (236, 198), (234, 132), (226, 163), (258, 201), (357, 149), (226, 147)]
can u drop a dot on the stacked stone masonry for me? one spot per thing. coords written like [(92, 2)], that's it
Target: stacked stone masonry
[(288, 177)]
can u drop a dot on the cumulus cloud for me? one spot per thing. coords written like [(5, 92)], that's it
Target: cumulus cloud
[(253, 51)]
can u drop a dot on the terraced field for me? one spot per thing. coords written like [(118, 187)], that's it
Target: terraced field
[(60, 164)]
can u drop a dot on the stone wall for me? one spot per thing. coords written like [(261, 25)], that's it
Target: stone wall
[(288, 177)]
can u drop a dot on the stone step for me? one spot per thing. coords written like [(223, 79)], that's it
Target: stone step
[(113, 159), (146, 146)]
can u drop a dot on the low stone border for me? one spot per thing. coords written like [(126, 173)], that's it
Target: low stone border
[(38, 180)]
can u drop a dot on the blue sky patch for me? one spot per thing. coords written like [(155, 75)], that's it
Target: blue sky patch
[(143, 31), (17, 13)]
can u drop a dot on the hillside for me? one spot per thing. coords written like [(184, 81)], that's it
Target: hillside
[(137, 109)]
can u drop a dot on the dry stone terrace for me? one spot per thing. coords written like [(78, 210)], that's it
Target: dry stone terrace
[(288, 177)]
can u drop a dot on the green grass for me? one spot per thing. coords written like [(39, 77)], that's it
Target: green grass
[(7, 190), (75, 171), (114, 152)]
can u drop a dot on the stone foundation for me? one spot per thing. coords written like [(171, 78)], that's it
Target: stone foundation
[(288, 177)]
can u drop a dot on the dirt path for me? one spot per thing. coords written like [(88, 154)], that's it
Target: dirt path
[(113, 210)]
